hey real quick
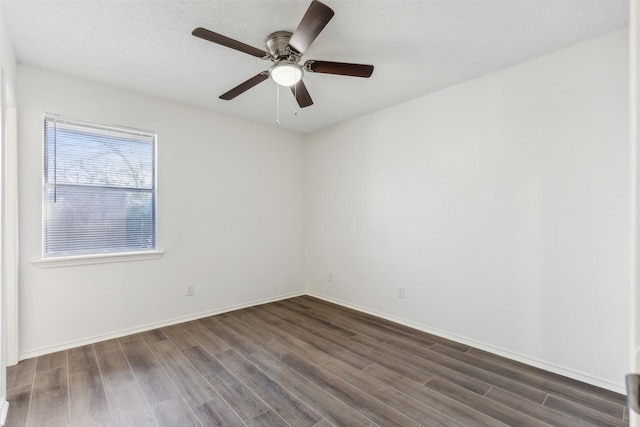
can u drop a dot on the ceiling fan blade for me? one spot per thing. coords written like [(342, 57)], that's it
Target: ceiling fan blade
[(243, 87), (314, 20), (341, 68), (301, 93), (205, 34)]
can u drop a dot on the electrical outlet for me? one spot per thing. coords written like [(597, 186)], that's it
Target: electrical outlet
[(400, 291), (191, 289), (331, 277)]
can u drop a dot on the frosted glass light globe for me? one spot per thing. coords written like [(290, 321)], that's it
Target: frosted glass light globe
[(286, 73)]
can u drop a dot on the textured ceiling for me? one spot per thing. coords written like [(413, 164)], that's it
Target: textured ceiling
[(417, 47)]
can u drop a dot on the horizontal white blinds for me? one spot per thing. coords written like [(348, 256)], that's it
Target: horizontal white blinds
[(99, 189)]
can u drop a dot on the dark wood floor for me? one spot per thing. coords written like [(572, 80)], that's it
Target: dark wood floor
[(299, 362)]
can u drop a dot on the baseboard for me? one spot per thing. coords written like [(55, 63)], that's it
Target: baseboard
[(98, 338), (551, 367), (5, 410), (560, 370)]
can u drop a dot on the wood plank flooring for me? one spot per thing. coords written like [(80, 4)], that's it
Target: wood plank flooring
[(299, 362)]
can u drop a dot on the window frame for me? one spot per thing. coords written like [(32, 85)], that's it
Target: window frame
[(46, 261)]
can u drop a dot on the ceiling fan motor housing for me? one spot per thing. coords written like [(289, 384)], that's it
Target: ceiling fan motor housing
[(278, 46)]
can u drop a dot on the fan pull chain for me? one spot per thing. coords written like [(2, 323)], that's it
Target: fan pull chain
[(295, 95), (278, 104)]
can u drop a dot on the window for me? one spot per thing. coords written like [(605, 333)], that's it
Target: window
[(99, 189)]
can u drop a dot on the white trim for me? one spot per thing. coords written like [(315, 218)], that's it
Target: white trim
[(634, 139), (89, 123), (551, 367), (10, 226), (570, 373), (150, 326), (96, 259), (4, 411)]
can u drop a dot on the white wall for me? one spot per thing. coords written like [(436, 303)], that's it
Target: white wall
[(7, 81), (229, 217), (501, 204), (7, 56), (634, 97)]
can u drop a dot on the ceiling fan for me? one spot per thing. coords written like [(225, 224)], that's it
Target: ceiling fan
[(285, 49)]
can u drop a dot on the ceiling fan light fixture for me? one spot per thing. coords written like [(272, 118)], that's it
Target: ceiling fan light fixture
[(286, 73), (286, 49)]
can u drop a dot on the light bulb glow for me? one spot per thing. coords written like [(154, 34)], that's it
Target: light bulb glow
[(286, 73)]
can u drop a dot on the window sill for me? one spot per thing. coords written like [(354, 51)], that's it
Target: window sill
[(96, 259)]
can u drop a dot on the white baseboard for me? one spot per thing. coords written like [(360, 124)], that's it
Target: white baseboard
[(561, 370), (150, 326), (4, 408), (551, 367)]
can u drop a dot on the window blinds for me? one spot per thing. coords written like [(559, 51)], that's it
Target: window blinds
[(99, 189)]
